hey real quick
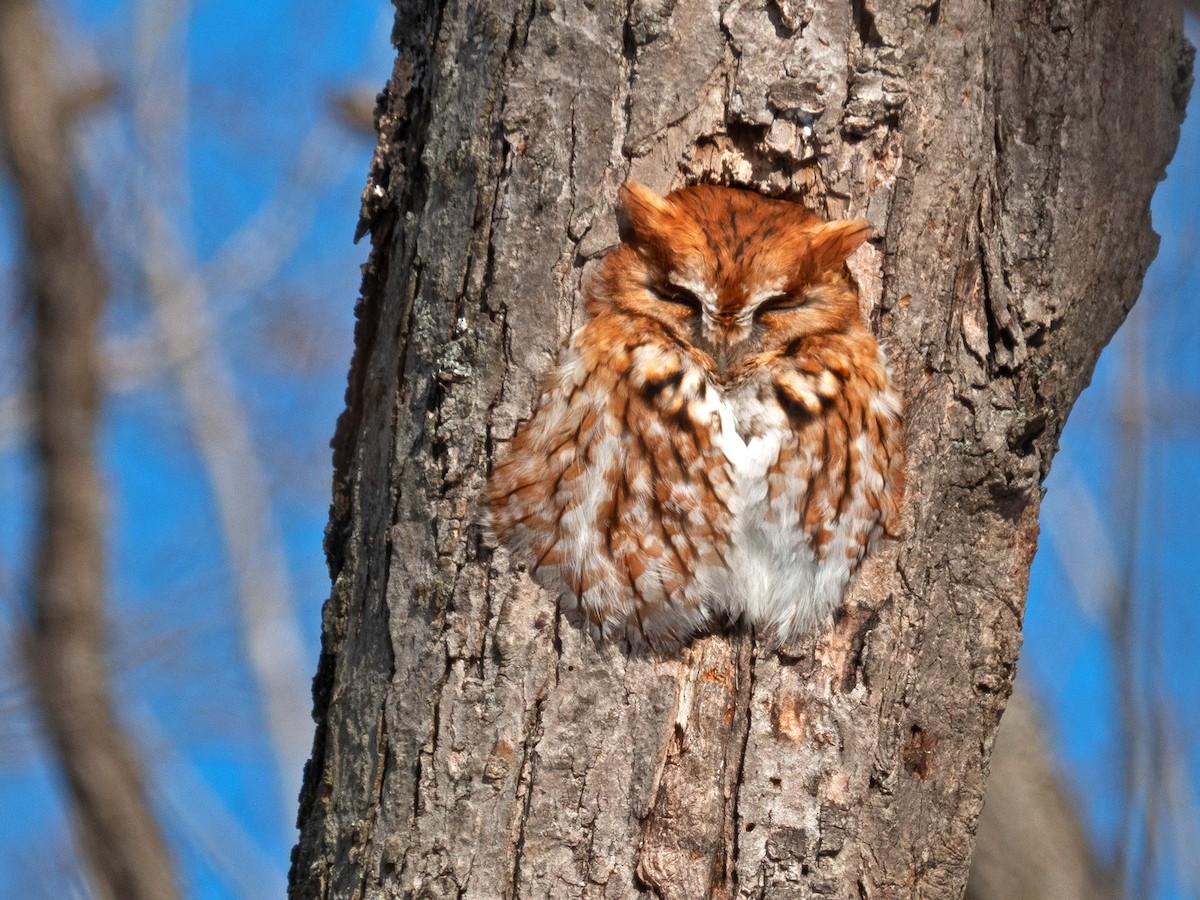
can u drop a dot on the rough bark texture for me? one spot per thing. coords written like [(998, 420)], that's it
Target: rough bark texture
[(114, 825), (471, 742)]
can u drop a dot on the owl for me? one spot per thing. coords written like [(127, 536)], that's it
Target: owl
[(720, 440)]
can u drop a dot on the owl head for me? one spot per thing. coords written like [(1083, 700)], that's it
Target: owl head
[(729, 273)]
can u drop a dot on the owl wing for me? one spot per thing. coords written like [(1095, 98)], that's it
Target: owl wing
[(845, 418), (616, 488), (835, 488)]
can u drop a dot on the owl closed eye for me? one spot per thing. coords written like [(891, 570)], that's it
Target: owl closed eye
[(721, 438)]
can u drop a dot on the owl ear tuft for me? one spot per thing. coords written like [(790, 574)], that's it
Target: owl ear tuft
[(833, 242), (645, 216)]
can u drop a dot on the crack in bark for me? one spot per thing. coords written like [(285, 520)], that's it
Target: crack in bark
[(864, 24), (629, 56), (747, 659), (525, 778)]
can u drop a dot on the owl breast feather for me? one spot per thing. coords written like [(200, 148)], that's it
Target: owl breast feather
[(660, 506)]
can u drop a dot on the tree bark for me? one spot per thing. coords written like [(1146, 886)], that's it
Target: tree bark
[(473, 743), (114, 825)]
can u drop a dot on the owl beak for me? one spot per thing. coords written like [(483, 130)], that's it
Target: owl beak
[(731, 347), (732, 354), (724, 339), (721, 357)]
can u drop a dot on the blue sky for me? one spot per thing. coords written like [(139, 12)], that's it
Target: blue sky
[(258, 78)]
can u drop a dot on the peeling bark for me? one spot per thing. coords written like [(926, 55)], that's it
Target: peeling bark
[(472, 742)]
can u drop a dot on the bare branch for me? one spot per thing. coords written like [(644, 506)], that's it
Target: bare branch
[(114, 826), (274, 648), (1031, 842), (1082, 541), (355, 110), (255, 253), (208, 824)]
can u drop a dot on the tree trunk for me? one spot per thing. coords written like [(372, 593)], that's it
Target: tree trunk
[(473, 743)]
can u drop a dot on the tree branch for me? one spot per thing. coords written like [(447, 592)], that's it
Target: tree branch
[(114, 825)]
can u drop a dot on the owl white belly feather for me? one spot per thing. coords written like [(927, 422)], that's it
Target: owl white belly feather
[(776, 578)]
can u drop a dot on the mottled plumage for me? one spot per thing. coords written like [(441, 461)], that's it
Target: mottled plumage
[(721, 439)]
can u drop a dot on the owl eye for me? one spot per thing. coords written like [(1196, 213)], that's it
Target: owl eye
[(781, 303), (677, 296)]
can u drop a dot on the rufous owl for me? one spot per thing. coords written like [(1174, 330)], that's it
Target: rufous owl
[(721, 440)]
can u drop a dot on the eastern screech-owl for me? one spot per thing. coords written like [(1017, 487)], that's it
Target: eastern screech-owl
[(721, 439)]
